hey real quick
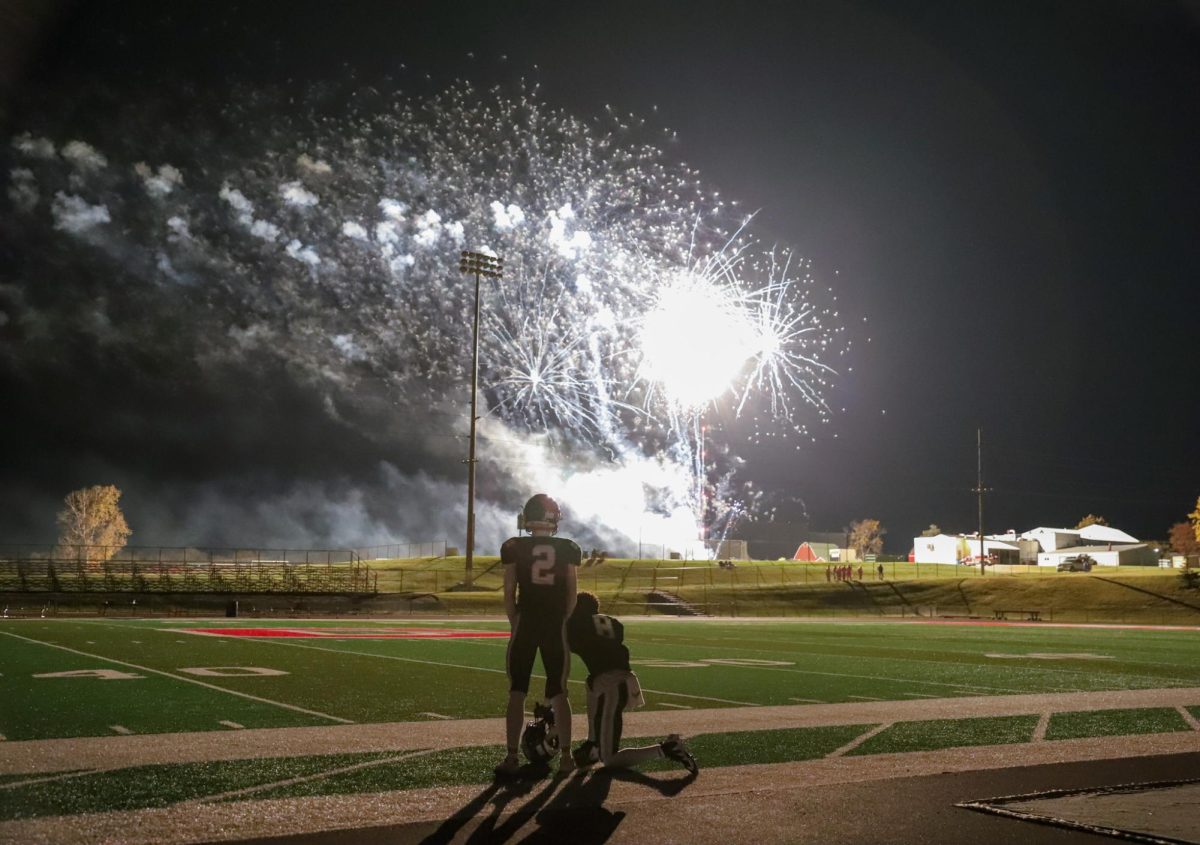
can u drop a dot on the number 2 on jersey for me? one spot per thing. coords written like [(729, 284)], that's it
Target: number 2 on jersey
[(542, 571)]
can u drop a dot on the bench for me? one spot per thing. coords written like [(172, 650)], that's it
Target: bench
[(1030, 615)]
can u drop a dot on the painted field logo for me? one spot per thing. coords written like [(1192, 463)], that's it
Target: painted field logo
[(339, 633)]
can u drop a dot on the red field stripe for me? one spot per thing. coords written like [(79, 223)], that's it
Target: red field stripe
[(350, 633)]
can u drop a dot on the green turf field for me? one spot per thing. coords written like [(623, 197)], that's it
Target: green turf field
[(65, 678), (105, 677)]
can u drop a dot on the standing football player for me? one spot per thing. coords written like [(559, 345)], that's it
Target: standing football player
[(599, 641), (540, 576)]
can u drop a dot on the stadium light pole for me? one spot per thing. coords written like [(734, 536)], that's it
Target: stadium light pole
[(979, 491), (478, 265)]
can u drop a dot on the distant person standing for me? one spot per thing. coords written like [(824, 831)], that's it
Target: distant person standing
[(880, 571), (540, 576), (599, 641)]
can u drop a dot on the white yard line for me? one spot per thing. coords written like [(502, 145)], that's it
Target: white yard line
[(230, 724), (1039, 733), (859, 740), (918, 695), (866, 698), (808, 700), (1058, 670), (264, 787), (676, 706), (874, 678), (488, 669), (1183, 711), (266, 641), (435, 715), (46, 779), (120, 729), (246, 695), (55, 756)]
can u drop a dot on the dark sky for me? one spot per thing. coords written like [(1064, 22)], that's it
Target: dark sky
[(1009, 192)]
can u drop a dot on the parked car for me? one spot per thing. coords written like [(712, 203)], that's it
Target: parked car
[(1078, 563)]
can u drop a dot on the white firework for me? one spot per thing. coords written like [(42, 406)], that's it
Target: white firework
[(631, 300)]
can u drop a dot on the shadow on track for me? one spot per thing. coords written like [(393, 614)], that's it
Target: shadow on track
[(564, 810)]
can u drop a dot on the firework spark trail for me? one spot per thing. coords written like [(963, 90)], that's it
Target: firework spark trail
[(328, 245)]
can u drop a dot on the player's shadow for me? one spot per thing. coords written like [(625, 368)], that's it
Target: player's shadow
[(499, 794), (489, 831), (577, 813), (570, 809)]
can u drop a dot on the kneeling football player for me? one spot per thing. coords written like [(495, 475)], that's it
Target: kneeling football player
[(612, 687)]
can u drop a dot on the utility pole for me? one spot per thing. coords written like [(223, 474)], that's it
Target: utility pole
[(477, 264), (979, 491)]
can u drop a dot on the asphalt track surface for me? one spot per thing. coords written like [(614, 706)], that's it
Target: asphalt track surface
[(899, 810)]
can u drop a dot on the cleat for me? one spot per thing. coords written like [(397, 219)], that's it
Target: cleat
[(674, 748), (509, 767), (586, 754)]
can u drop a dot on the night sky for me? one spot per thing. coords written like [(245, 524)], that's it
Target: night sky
[(1007, 192)]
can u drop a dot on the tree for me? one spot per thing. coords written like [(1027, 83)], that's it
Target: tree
[(1195, 515), (932, 531), (866, 537), (91, 526), (1183, 539), (1091, 519)]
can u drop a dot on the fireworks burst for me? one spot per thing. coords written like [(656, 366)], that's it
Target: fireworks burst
[(633, 296)]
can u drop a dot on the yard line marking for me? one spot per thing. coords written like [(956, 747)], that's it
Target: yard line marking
[(185, 679), (808, 700), (121, 729), (1039, 669), (866, 698), (495, 671), (36, 780), (676, 706), (262, 787), (919, 694), (857, 741), (435, 715), (1039, 733), (875, 678), (1183, 711), (230, 724)]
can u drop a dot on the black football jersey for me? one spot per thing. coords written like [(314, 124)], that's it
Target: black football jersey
[(541, 564), (599, 641)]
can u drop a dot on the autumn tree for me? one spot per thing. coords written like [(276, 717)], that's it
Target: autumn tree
[(1183, 539), (1091, 519), (91, 526), (866, 537), (932, 531)]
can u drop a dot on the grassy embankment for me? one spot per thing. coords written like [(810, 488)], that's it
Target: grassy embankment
[(1131, 594)]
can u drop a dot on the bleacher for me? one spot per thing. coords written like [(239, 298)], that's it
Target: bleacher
[(162, 570)]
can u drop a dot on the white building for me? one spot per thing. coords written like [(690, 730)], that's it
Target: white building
[(1044, 546), (1110, 554), (948, 548)]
